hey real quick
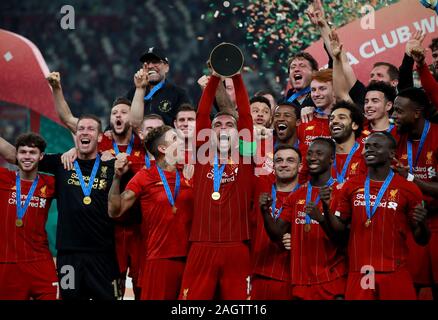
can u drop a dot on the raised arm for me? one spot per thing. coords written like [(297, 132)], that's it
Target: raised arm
[(223, 100), (341, 86), (316, 14), (137, 105), (118, 203), (7, 151), (430, 85), (61, 105), (205, 104)]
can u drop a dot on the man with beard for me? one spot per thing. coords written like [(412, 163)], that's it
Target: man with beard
[(86, 260), (122, 139), (346, 123), (219, 257), (284, 123), (322, 96), (318, 267), (377, 246), (379, 100), (27, 270), (417, 157), (156, 94), (270, 261)]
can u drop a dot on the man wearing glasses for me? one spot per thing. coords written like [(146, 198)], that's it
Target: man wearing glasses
[(156, 93)]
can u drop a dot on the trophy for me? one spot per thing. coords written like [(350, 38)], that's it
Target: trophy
[(226, 59)]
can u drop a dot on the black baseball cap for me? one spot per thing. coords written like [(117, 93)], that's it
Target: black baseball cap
[(154, 53)]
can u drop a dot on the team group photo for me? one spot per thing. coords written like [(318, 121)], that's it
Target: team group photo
[(228, 150)]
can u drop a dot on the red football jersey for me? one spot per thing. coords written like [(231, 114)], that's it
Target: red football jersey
[(382, 245), (426, 167), (29, 242), (367, 130), (356, 167), (315, 259), (137, 156), (166, 233), (306, 132), (228, 218), (270, 259)]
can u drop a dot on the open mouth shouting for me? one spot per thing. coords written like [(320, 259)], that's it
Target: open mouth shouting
[(281, 129)]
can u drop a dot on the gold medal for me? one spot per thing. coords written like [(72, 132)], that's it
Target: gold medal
[(307, 227), (174, 209), (86, 200), (367, 223), (19, 223), (215, 195)]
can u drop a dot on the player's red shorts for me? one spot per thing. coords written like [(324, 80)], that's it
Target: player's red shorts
[(25, 280), (325, 291), (161, 279), (263, 288), (128, 248), (395, 285), (423, 261), (223, 266)]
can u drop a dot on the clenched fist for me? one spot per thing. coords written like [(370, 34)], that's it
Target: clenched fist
[(54, 80), (265, 202), (121, 165)]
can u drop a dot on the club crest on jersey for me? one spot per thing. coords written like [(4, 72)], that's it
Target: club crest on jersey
[(102, 184), (302, 201), (164, 106), (366, 132), (136, 153), (43, 191), (103, 171), (393, 195), (309, 128), (353, 167), (429, 157), (404, 156)]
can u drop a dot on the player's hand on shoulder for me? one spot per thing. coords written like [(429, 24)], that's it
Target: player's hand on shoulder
[(68, 158)]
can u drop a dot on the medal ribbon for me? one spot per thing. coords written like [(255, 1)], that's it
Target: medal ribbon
[(341, 177), (147, 161), (169, 195), (152, 92), (217, 174), (274, 201), (21, 210), (86, 189), (309, 196), (128, 150), (297, 94), (370, 212), (420, 147)]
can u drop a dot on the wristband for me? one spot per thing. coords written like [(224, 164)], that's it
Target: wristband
[(410, 177)]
